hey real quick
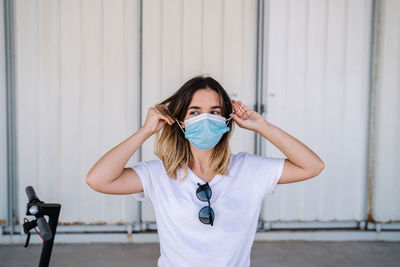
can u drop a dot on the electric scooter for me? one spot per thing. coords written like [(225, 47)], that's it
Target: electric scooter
[(38, 208)]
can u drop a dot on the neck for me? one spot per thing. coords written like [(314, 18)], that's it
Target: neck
[(201, 160)]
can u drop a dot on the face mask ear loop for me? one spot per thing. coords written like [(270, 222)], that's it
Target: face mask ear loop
[(241, 106), (178, 122), (227, 121)]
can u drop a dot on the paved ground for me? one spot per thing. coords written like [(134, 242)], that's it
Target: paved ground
[(287, 253)]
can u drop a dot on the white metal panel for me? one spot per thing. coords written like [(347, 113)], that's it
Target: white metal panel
[(182, 39), (3, 122), (27, 61), (77, 95), (317, 91), (386, 194)]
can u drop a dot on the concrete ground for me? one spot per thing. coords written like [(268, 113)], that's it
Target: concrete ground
[(276, 253)]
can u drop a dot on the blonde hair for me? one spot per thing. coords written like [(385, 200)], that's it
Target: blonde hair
[(171, 146)]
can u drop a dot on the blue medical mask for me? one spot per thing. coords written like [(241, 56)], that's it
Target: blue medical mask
[(204, 131)]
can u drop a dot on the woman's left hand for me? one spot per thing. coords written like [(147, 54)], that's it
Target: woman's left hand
[(246, 117)]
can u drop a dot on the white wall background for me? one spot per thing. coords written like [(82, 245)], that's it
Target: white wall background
[(77, 97), (318, 75), (77, 94), (3, 122), (386, 196)]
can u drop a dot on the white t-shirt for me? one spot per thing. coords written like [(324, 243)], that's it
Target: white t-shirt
[(236, 201)]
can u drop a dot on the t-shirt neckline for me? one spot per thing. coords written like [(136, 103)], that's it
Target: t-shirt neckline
[(201, 181)]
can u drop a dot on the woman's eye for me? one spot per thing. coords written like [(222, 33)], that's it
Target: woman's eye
[(196, 112)]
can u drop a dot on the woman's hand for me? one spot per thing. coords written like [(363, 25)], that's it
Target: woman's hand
[(155, 120), (245, 117)]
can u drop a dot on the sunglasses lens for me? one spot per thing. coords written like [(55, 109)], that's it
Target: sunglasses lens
[(203, 193), (204, 215)]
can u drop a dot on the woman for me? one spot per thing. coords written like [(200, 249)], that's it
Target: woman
[(206, 200)]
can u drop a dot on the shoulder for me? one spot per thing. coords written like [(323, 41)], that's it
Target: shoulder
[(154, 163), (244, 156), (255, 160), (149, 165), (239, 156), (239, 161)]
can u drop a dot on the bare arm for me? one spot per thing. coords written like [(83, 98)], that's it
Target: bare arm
[(301, 163), (108, 174)]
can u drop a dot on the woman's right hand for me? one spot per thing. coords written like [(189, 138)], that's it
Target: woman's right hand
[(155, 120)]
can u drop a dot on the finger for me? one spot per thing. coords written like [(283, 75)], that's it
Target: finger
[(236, 118), (169, 119), (239, 109), (245, 108), (236, 108), (166, 119)]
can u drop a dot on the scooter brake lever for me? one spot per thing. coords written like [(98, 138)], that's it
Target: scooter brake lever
[(28, 237)]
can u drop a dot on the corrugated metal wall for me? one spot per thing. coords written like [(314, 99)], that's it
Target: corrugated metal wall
[(3, 122), (318, 74), (77, 85), (386, 193), (77, 97)]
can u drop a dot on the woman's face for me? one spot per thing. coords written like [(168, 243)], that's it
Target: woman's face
[(204, 100)]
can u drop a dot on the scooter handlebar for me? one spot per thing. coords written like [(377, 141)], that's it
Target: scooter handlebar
[(44, 227), (31, 194)]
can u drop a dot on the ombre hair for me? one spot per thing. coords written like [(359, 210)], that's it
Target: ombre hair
[(171, 146)]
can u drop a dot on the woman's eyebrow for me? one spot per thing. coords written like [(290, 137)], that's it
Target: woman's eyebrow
[(197, 107)]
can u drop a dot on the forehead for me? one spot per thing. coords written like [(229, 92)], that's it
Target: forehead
[(205, 97)]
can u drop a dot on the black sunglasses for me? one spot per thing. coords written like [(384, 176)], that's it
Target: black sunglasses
[(206, 214)]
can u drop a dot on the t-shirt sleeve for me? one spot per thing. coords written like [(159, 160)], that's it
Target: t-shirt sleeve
[(265, 172), (146, 171)]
